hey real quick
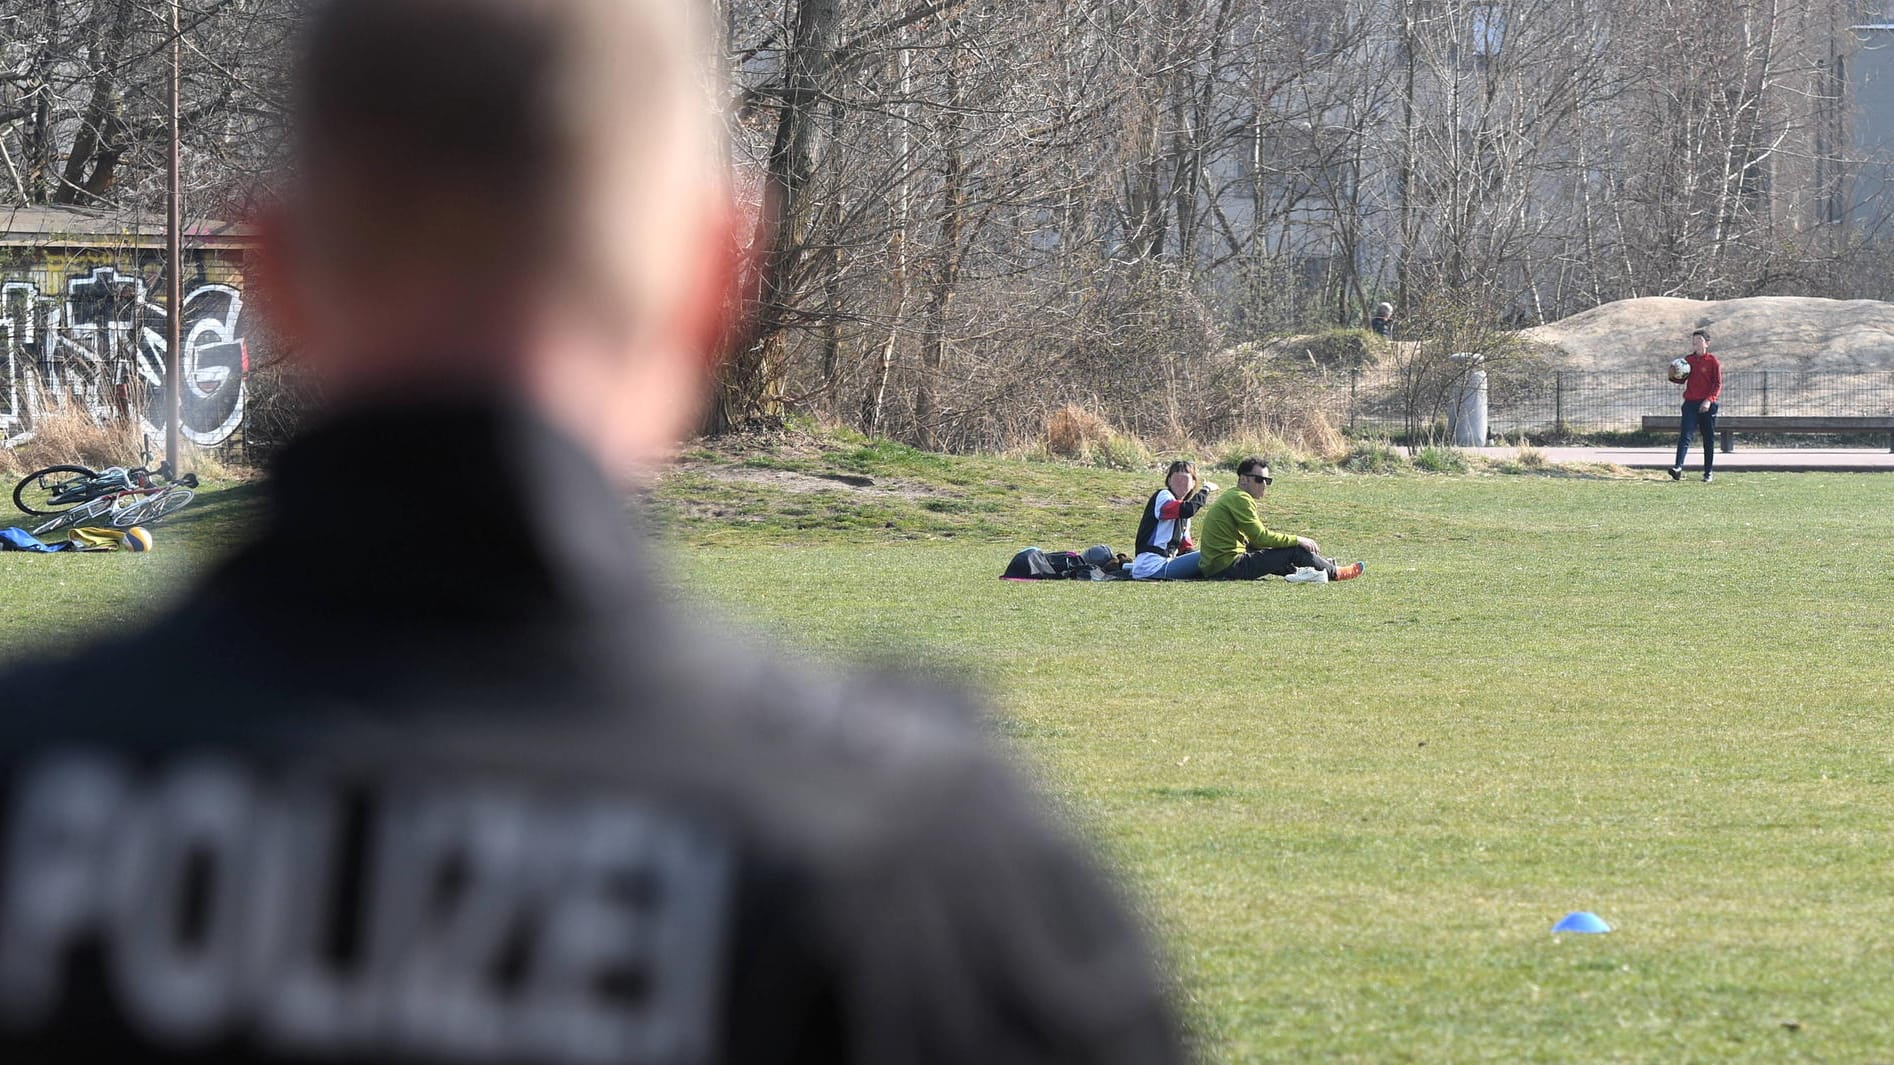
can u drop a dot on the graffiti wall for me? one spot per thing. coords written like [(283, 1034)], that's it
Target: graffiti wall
[(85, 330)]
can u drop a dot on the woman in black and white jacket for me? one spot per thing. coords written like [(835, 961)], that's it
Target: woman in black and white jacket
[(1164, 550)]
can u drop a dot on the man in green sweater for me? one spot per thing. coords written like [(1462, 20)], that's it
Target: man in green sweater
[(1237, 546)]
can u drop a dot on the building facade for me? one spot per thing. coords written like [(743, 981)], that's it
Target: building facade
[(83, 321)]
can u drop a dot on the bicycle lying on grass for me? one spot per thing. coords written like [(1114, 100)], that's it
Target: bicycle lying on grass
[(118, 496), (122, 510)]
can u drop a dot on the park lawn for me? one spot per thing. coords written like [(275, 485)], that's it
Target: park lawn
[(1355, 811), (47, 600)]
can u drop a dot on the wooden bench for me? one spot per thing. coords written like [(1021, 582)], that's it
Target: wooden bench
[(1729, 424)]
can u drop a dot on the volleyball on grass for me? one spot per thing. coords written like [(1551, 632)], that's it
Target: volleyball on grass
[(137, 539), (1679, 369)]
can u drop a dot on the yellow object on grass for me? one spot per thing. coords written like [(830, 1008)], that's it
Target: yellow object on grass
[(97, 538)]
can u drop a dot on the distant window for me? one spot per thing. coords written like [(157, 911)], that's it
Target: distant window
[(1489, 29)]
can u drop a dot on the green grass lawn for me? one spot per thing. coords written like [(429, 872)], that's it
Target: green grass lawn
[(47, 600), (1356, 810)]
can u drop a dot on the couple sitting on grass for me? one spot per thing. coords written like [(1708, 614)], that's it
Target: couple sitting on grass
[(1236, 545)]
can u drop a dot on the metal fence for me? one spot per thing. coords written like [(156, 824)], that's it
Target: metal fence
[(1384, 401)]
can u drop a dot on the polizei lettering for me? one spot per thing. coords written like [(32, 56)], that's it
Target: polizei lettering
[(459, 922)]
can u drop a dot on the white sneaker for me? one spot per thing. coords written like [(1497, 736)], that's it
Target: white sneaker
[(1307, 575)]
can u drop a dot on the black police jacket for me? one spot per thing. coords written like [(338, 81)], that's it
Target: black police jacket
[(429, 773)]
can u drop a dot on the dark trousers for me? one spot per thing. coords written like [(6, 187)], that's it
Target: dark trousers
[(1279, 561), (1705, 421)]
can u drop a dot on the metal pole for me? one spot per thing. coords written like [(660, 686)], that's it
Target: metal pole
[(174, 268)]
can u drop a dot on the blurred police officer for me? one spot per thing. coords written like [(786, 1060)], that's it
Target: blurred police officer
[(427, 773)]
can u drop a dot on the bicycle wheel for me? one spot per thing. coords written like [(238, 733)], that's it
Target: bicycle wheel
[(126, 510), (155, 509), (86, 511), (39, 493), (169, 503)]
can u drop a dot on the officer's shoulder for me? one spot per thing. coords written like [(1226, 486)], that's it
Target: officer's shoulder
[(142, 675), (861, 718), (70, 668)]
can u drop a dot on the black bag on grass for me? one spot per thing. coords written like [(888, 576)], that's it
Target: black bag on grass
[(1030, 565), (1033, 564)]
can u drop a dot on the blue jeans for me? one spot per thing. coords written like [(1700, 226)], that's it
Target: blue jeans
[(1702, 420), (1182, 568)]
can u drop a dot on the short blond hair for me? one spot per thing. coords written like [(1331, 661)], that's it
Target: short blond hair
[(527, 137)]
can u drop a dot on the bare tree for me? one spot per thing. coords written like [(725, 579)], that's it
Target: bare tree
[(982, 210), (82, 103)]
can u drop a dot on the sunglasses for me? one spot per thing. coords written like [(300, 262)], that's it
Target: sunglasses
[(1260, 477)]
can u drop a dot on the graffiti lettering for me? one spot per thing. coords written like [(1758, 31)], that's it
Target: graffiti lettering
[(100, 346)]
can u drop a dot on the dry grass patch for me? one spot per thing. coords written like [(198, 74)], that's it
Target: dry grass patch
[(73, 437)]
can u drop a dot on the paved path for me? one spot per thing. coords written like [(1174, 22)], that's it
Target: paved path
[(1742, 460)]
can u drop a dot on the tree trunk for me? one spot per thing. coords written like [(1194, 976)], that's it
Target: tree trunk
[(99, 145), (753, 383), (875, 399), (836, 262), (947, 274), (1409, 216)]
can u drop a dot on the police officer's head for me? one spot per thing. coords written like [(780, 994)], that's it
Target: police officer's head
[(520, 196)]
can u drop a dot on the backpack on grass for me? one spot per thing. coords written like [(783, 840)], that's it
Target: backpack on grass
[(1034, 564)]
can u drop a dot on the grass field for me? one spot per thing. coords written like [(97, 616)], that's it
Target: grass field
[(1356, 810), (46, 600)]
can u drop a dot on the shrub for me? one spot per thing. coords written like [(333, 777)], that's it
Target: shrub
[(1268, 446), (1373, 456), (1303, 438), (1076, 433), (73, 437), (1121, 451), (1528, 460), (1073, 431), (279, 403), (1340, 347), (1314, 434), (1281, 388), (1441, 460)]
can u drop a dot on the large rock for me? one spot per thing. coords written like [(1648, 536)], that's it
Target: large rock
[(1763, 333)]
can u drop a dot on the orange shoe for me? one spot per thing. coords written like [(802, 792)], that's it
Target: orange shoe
[(1350, 572)]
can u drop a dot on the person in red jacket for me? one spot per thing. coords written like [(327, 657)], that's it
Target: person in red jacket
[(1702, 388)]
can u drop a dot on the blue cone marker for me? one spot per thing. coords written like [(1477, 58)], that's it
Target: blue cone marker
[(1581, 921)]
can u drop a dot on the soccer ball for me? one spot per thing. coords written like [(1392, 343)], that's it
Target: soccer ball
[(137, 539), (1679, 369)]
